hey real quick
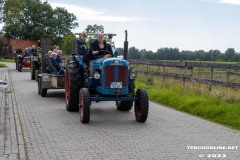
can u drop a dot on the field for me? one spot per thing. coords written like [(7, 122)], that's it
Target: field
[(214, 103)]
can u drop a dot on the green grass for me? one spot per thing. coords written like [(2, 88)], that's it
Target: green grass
[(207, 106), (7, 60), (3, 65)]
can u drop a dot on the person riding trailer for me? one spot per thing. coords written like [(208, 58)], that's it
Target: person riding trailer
[(54, 62), (82, 47), (96, 49)]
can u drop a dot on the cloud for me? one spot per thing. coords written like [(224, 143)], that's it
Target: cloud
[(234, 2), (88, 14)]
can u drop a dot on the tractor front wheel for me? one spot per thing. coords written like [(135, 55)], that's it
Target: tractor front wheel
[(141, 105), (84, 105), (124, 105)]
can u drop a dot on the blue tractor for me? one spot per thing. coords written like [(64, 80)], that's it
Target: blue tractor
[(113, 80)]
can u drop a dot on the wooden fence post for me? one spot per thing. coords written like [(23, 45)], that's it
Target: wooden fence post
[(164, 71), (211, 77)]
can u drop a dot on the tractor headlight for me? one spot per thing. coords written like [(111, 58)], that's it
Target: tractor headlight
[(132, 76), (97, 75)]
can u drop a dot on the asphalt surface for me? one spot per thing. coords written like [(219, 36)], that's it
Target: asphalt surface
[(41, 128)]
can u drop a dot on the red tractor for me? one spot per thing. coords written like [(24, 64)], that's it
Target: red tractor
[(22, 62)]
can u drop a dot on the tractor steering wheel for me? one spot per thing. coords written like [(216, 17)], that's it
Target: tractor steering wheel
[(103, 53)]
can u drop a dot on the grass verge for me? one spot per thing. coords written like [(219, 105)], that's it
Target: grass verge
[(7, 60), (205, 105), (3, 65)]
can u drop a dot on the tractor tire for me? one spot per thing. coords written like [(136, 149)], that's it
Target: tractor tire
[(33, 70), (41, 91), (124, 105), (141, 105), (74, 80), (84, 105)]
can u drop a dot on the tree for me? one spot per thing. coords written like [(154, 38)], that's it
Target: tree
[(120, 50), (229, 54), (94, 29), (133, 53), (1, 10), (32, 19), (150, 55), (67, 43)]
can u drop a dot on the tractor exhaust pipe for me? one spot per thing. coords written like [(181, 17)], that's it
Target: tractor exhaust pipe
[(125, 53)]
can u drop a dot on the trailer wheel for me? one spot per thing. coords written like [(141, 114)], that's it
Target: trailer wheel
[(41, 91), (16, 61), (33, 70), (36, 75), (73, 82), (141, 105), (39, 86), (124, 105), (84, 105), (20, 67)]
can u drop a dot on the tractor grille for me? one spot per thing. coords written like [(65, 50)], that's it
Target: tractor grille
[(121, 75)]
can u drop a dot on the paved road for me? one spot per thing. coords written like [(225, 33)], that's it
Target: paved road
[(50, 132)]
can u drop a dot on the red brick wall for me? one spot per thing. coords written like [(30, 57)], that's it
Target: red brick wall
[(22, 43)]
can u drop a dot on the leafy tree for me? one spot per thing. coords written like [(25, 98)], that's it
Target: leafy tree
[(120, 50), (1, 10), (230, 54), (33, 19), (67, 43), (134, 53), (150, 55), (94, 29)]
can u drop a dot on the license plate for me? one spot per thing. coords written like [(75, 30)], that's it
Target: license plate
[(116, 84)]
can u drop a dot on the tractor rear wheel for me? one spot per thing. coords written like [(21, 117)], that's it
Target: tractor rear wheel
[(33, 70), (73, 82), (84, 105), (141, 105), (41, 91)]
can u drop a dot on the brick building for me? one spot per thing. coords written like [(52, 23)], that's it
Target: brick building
[(10, 45)]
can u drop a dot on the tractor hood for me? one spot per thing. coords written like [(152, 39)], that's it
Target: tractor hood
[(101, 62)]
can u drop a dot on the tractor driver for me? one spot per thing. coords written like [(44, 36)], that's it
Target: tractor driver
[(25, 53), (95, 48), (33, 51)]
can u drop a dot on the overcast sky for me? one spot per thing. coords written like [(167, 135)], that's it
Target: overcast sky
[(152, 24)]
